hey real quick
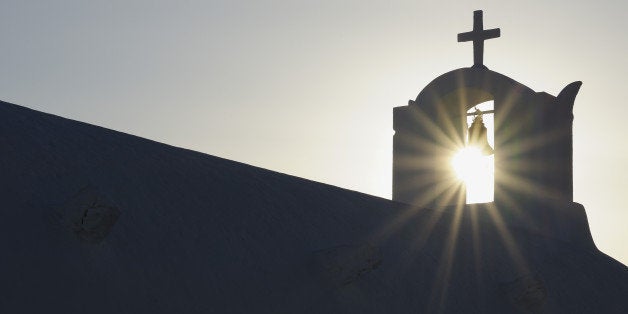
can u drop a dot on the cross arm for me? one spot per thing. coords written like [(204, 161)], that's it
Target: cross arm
[(474, 35)]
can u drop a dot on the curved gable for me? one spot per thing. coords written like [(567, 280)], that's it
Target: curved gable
[(470, 86)]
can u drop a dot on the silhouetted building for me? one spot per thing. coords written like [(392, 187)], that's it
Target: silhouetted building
[(533, 135), (97, 221)]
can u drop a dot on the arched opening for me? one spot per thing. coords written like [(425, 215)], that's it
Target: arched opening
[(473, 165)]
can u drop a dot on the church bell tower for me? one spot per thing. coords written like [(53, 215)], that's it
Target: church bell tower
[(532, 131)]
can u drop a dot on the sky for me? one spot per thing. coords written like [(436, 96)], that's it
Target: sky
[(307, 87)]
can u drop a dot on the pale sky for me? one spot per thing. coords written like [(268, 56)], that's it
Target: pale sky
[(307, 87)]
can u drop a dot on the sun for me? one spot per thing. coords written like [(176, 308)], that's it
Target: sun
[(477, 172)]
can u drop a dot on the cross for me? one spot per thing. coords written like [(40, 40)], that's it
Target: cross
[(478, 35)]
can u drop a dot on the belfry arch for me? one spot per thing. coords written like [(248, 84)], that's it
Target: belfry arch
[(533, 138)]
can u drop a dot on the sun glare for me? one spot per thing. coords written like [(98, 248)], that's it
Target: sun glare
[(474, 168), (477, 172)]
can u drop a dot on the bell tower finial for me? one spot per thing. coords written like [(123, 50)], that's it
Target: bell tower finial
[(478, 35)]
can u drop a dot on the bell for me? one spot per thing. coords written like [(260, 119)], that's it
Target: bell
[(478, 136)]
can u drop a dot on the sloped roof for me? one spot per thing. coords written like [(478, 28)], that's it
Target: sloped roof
[(99, 221)]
